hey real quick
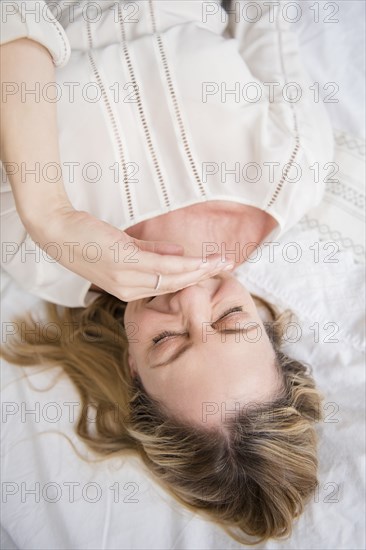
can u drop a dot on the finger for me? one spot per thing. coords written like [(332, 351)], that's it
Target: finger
[(162, 247), (168, 264), (169, 283), (173, 283)]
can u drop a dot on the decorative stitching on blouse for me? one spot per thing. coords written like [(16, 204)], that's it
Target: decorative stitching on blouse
[(55, 24), (60, 59), (141, 111), (113, 124), (173, 95), (296, 147)]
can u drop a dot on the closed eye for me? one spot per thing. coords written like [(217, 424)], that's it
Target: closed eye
[(166, 335)]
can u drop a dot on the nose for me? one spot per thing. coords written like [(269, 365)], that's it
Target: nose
[(191, 293), (193, 303)]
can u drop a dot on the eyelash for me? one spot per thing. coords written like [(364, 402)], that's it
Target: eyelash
[(167, 333)]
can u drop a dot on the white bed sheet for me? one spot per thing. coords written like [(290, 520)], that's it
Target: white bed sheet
[(333, 52), (318, 292)]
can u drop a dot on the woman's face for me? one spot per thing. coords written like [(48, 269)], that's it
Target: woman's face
[(203, 351)]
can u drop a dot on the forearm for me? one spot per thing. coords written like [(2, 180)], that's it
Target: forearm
[(29, 134)]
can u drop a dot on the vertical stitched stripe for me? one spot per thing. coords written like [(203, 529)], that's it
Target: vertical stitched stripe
[(113, 123), (174, 99), (296, 146), (141, 111)]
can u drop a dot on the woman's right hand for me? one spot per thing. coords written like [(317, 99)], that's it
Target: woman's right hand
[(115, 262)]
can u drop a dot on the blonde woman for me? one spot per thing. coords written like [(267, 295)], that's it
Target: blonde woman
[(186, 169)]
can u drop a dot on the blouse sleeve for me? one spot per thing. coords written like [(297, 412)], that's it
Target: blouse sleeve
[(268, 43), (30, 266), (34, 20), (21, 258)]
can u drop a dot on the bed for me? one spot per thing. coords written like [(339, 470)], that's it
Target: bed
[(51, 499)]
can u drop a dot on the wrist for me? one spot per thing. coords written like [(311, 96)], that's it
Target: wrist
[(48, 219)]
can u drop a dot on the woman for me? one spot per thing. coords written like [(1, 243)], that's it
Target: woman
[(188, 154)]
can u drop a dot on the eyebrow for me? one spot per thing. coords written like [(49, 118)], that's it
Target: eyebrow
[(182, 349)]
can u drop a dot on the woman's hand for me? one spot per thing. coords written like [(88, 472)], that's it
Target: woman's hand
[(95, 250), (115, 262)]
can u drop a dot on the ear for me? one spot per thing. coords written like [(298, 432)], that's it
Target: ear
[(132, 365)]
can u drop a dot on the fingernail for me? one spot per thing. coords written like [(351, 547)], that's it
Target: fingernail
[(228, 267)]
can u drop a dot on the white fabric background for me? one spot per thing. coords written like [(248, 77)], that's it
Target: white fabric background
[(317, 292), (334, 52)]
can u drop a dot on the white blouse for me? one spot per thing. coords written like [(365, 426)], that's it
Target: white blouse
[(165, 104)]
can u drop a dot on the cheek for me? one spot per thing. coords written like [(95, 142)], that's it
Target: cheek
[(135, 354), (138, 331), (129, 313), (132, 363), (134, 323)]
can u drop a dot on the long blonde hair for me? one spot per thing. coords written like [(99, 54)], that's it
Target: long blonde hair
[(253, 476)]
